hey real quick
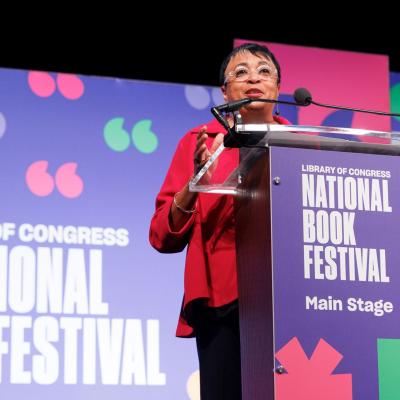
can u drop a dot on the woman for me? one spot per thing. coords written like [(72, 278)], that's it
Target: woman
[(205, 223)]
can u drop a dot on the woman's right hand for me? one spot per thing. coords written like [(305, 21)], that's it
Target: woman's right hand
[(184, 203), (202, 154)]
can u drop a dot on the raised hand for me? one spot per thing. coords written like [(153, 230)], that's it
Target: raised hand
[(202, 153)]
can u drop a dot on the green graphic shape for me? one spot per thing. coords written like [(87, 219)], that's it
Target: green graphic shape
[(395, 99), (144, 139), (389, 369), (115, 136)]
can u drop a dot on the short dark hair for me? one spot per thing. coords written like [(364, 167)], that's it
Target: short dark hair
[(252, 48)]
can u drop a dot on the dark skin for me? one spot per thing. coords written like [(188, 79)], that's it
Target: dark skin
[(185, 198), (254, 87)]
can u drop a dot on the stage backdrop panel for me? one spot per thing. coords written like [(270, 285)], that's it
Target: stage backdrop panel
[(337, 77), (88, 309)]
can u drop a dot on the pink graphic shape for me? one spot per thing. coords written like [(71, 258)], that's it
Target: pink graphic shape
[(336, 77), (41, 83), (38, 180), (311, 379), (70, 86), (68, 182)]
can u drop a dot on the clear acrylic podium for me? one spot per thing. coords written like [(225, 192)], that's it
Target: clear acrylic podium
[(255, 136), (251, 184)]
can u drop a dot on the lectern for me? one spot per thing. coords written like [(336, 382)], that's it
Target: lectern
[(318, 254)]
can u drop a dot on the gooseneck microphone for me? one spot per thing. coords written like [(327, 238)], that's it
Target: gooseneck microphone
[(236, 105), (303, 97), (233, 106)]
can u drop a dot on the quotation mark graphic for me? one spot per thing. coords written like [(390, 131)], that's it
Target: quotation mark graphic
[(200, 98), (119, 139), (44, 85), (311, 379), (41, 183), (2, 125)]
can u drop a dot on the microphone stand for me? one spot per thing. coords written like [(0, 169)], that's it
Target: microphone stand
[(231, 140), (310, 101)]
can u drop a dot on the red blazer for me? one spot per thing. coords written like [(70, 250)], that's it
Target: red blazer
[(210, 268)]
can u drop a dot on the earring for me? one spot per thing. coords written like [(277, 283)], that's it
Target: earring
[(277, 112)]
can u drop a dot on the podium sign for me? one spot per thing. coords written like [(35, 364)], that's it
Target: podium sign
[(335, 240)]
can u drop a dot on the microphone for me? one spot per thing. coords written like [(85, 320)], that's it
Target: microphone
[(233, 106), (303, 97)]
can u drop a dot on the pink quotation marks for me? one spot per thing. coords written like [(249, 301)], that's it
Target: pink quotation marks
[(311, 379), (41, 183), (44, 85)]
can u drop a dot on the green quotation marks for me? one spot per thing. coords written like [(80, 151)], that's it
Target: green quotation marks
[(395, 99), (143, 138), (116, 137), (119, 139)]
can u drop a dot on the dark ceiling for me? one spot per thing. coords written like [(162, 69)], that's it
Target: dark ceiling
[(189, 53)]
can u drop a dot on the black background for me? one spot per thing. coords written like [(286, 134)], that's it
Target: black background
[(189, 48)]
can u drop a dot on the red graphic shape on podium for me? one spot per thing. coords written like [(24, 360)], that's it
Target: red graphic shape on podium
[(311, 379)]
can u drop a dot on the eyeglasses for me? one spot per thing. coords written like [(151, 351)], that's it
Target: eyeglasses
[(264, 72)]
